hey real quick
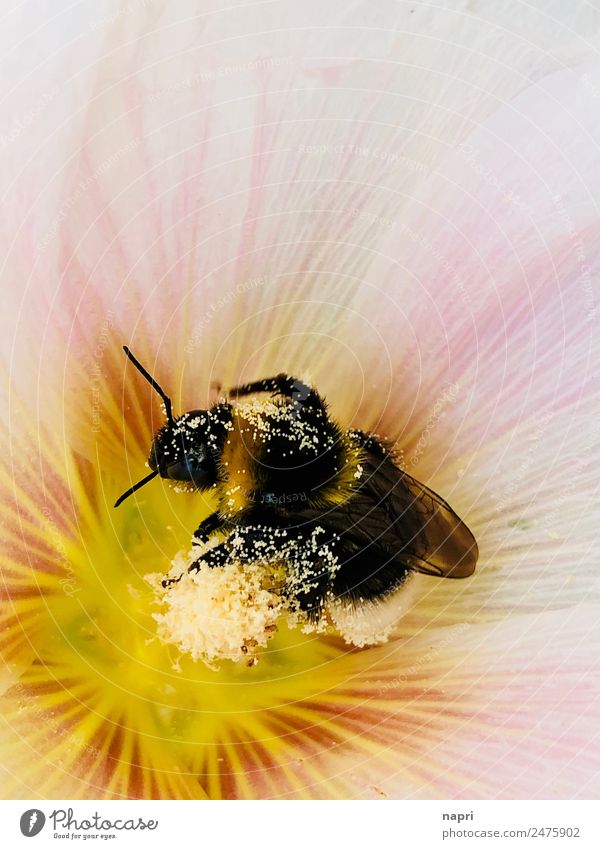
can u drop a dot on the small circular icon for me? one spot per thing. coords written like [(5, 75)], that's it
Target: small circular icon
[(32, 822)]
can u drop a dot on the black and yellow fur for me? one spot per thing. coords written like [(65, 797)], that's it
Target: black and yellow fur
[(282, 468)]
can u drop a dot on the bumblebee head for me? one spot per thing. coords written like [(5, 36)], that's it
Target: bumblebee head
[(187, 448)]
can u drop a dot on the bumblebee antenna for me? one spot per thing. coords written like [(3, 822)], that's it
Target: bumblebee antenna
[(153, 384), (135, 487)]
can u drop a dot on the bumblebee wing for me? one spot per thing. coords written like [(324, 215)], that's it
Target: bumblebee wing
[(396, 513), (450, 550), (427, 533)]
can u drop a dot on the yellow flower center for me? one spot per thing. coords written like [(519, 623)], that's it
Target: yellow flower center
[(98, 638)]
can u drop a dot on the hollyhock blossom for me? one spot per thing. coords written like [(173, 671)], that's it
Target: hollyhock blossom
[(396, 204)]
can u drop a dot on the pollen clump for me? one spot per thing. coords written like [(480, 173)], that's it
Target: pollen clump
[(228, 613)]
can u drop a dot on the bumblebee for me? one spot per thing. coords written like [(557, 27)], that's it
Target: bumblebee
[(351, 525)]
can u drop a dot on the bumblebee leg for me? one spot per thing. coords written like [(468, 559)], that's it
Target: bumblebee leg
[(243, 545), (214, 557), (168, 582), (311, 597), (282, 384), (312, 565), (240, 545), (206, 528)]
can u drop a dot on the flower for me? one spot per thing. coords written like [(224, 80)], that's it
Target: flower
[(402, 211)]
